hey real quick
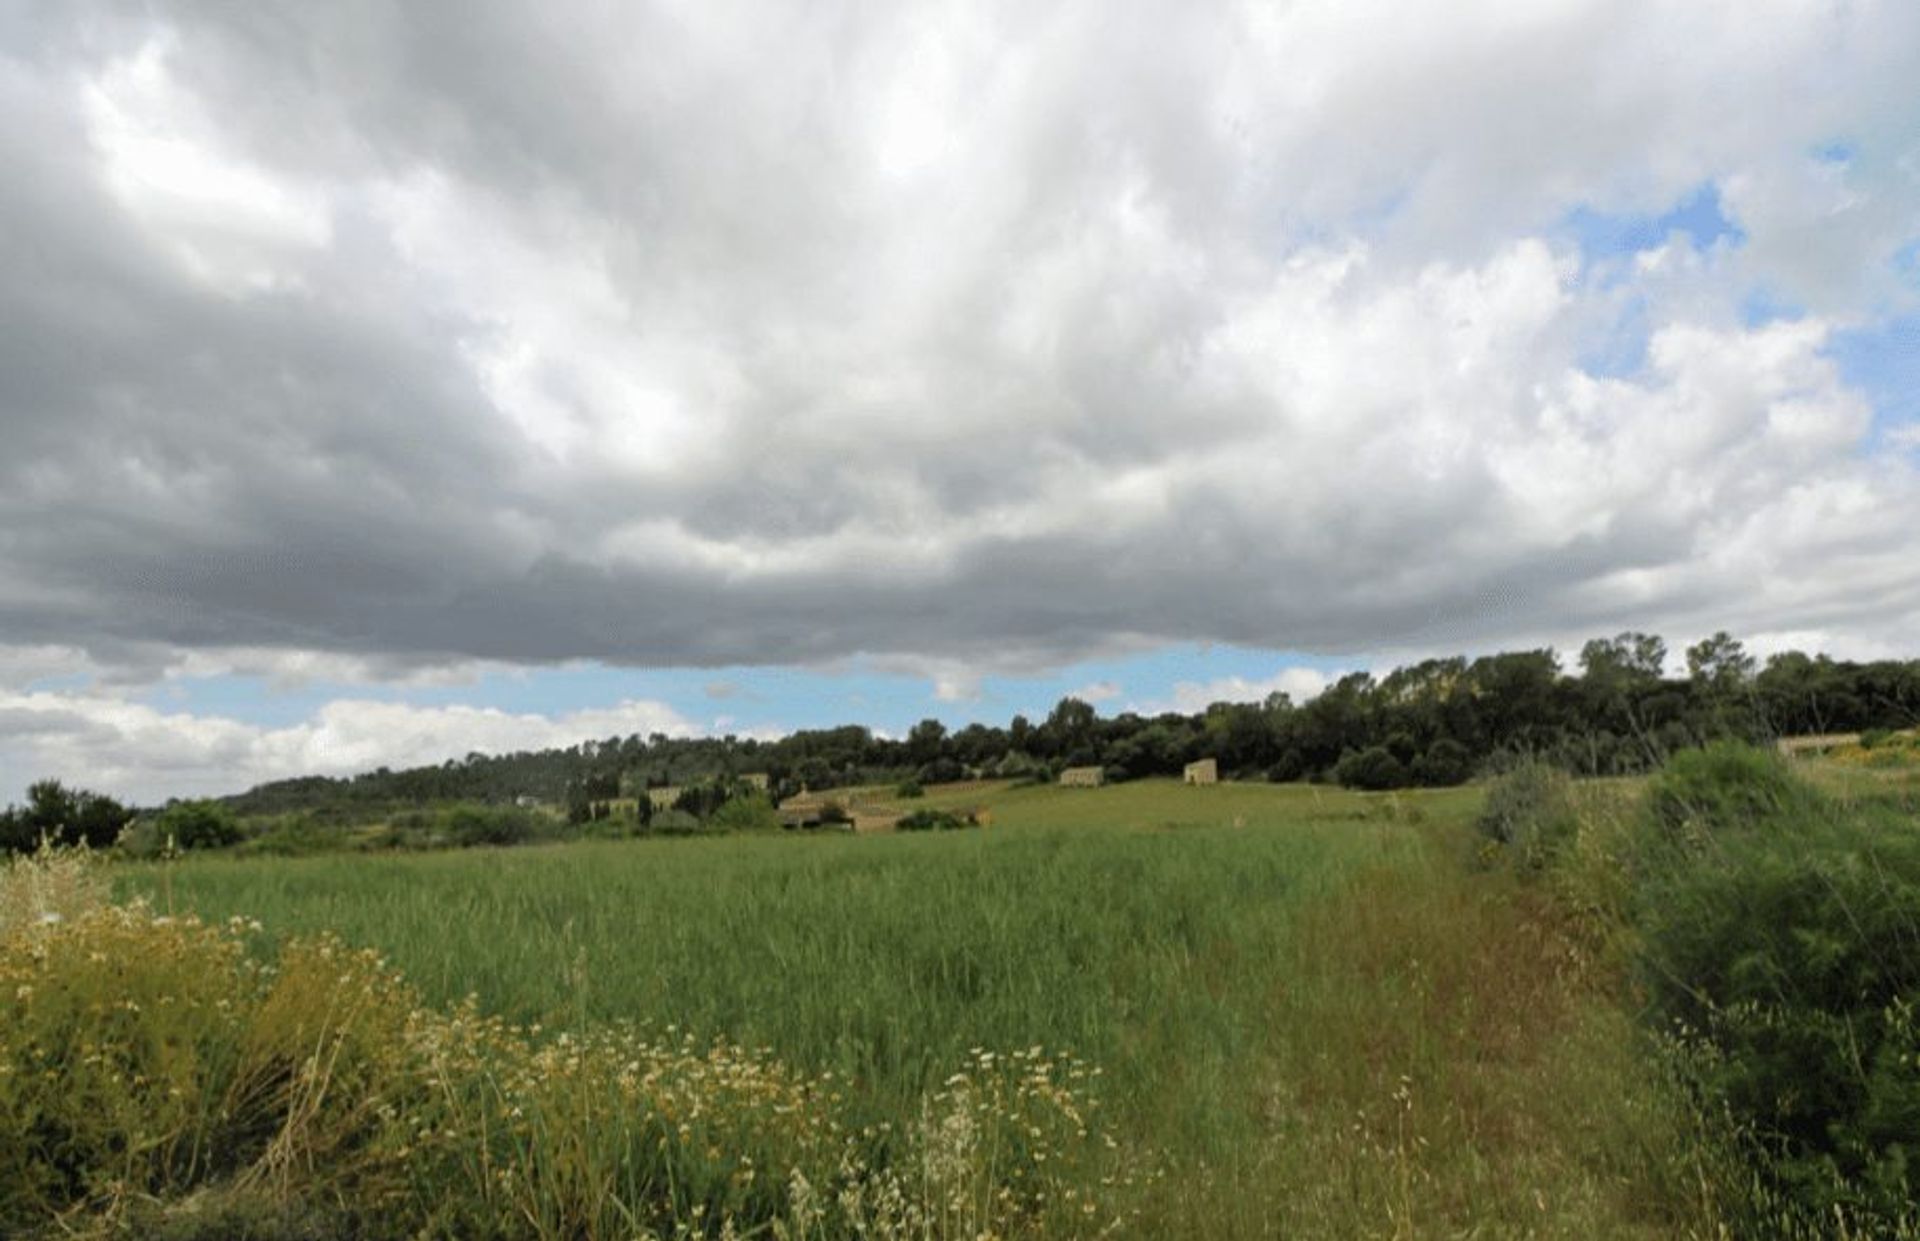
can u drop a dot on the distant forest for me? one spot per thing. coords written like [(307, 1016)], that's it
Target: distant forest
[(1434, 723)]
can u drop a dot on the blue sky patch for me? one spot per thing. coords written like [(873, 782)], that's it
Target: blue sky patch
[(1883, 361), (1607, 235)]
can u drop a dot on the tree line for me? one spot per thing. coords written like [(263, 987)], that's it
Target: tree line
[(1436, 722), (1433, 723)]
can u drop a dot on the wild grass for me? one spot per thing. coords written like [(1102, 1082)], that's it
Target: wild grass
[(882, 960), (1155, 1011)]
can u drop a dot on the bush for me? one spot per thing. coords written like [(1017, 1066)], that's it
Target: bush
[(469, 826), (1529, 812), (909, 789), (1787, 960), (1288, 768), (1727, 785), (1445, 763), (940, 771), (675, 822), (292, 835), (199, 825), (752, 812), (1373, 768), (934, 821)]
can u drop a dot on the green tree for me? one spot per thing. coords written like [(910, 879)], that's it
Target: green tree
[(199, 825), (924, 741), (1627, 659), (1372, 768), (1719, 664), (64, 816)]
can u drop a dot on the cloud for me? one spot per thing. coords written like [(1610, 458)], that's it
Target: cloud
[(135, 751), (1097, 692), (977, 339), (1189, 697)]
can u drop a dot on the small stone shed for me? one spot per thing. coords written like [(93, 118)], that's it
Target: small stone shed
[(1206, 771), (1083, 777)]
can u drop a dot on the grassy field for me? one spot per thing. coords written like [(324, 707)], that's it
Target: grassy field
[(1310, 1015)]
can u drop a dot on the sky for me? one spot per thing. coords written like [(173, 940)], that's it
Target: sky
[(387, 380)]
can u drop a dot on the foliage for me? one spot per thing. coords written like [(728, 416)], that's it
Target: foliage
[(1727, 786), (1786, 957), (199, 825), (1442, 719), (750, 811), (674, 822), (909, 789), (64, 816), (468, 826), (1529, 813), (1445, 763), (1372, 768), (934, 821), (291, 835)]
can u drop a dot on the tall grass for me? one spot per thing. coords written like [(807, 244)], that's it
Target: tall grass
[(157, 1079), (1304, 1013), (883, 961)]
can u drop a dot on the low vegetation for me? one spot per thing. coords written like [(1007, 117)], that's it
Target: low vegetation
[(1773, 931)]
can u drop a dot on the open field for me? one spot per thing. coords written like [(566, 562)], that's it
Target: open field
[(1080, 920), (1308, 1014)]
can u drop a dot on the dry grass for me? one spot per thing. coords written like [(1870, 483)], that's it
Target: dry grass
[(1449, 1058)]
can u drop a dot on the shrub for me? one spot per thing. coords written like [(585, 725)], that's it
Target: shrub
[(1288, 768), (751, 812), (940, 771), (1373, 768), (909, 789), (1445, 763), (1787, 959), (468, 826), (1727, 785), (1529, 812), (291, 835), (934, 821), (675, 822), (199, 825)]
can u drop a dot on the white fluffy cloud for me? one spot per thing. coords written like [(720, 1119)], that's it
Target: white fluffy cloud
[(134, 751), (1299, 684), (968, 338)]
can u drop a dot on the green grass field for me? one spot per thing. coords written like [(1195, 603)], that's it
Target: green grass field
[(1311, 1017)]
